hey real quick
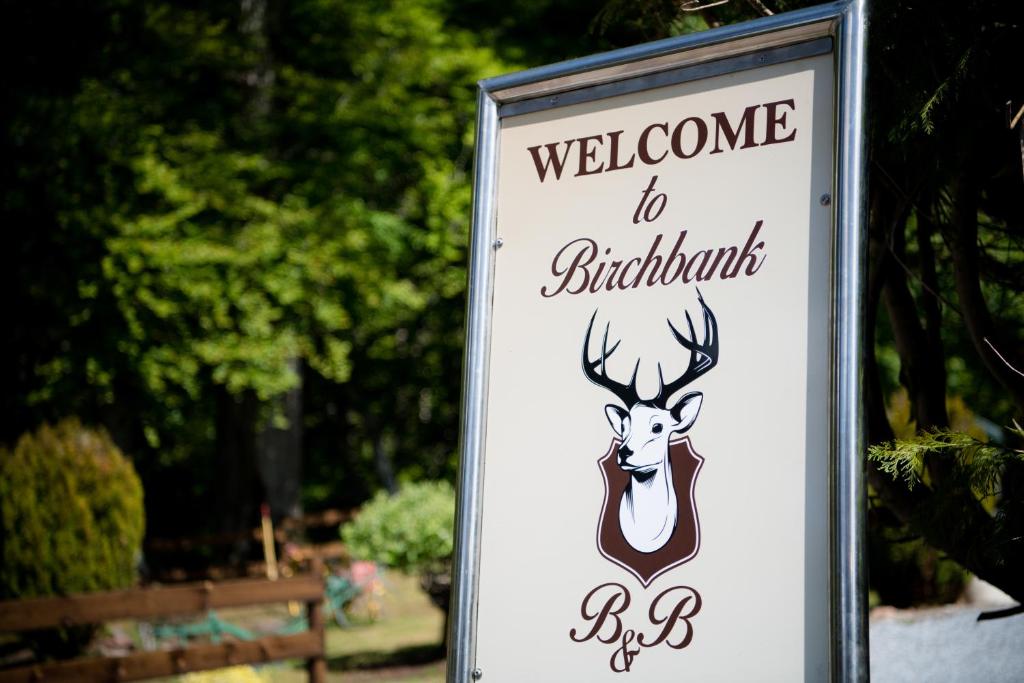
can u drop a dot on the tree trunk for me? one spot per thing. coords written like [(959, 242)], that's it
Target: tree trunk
[(879, 430), (279, 451), (239, 491), (279, 438), (922, 368), (260, 77), (382, 460), (950, 520), (962, 238)]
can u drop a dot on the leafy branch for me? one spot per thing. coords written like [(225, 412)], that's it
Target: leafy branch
[(978, 464)]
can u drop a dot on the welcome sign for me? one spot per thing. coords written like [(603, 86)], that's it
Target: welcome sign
[(651, 430)]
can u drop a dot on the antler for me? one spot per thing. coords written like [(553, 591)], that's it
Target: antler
[(703, 357), (625, 392)]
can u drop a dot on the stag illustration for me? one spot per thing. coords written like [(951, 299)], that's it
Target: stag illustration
[(647, 512)]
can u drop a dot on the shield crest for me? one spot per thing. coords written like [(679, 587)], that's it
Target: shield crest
[(683, 544)]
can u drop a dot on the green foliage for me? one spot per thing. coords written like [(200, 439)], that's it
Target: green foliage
[(72, 519), (975, 464), (959, 484), (638, 22), (213, 279), (181, 246), (412, 531), (71, 513)]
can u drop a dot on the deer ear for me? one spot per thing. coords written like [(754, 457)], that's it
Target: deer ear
[(617, 418), (685, 410)]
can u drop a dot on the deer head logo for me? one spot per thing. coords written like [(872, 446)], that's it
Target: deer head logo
[(648, 507)]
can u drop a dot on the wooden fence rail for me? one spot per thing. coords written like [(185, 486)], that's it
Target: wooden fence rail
[(315, 520), (166, 601)]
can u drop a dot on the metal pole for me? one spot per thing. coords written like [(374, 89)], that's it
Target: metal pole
[(849, 590), (465, 563)]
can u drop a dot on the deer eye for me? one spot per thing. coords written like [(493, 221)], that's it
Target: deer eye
[(656, 428)]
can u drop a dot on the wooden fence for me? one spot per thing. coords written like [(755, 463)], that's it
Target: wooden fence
[(189, 558), (169, 601), (289, 525)]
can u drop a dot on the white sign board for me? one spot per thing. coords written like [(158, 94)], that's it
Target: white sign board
[(653, 488)]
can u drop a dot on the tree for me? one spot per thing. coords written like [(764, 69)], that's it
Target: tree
[(947, 268), (244, 193)]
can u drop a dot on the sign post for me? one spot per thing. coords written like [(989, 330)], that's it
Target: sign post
[(661, 470)]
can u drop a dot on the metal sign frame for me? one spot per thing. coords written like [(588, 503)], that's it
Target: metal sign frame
[(839, 28)]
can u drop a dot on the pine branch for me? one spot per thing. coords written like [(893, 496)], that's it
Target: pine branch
[(977, 464)]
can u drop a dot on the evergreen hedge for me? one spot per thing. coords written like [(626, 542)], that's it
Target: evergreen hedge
[(71, 517)]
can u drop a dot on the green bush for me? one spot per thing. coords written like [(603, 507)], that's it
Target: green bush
[(71, 519), (412, 531)]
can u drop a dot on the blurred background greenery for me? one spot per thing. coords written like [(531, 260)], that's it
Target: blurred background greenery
[(234, 241), (236, 236)]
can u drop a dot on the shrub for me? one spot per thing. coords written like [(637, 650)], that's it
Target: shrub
[(71, 519), (412, 531)]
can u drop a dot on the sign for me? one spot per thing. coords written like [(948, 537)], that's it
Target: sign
[(653, 413)]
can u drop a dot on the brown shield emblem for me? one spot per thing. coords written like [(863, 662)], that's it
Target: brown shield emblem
[(684, 542), (648, 522)]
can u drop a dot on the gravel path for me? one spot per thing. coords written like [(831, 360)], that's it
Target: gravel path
[(946, 644)]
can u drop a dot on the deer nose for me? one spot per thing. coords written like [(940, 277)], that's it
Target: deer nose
[(624, 452)]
